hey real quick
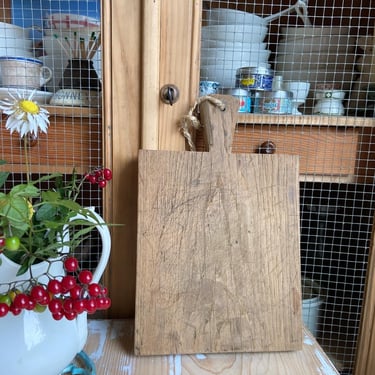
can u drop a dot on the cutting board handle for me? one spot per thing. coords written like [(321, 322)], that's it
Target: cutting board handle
[(219, 125)]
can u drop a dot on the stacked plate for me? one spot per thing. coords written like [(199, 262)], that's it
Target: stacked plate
[(323, 56), (231, 39)]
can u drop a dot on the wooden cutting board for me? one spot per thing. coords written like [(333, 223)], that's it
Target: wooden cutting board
[(218, 261)]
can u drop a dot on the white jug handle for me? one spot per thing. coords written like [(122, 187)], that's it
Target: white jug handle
[(106, 242)]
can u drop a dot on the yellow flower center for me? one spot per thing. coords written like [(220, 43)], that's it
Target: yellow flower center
[(29, 106)]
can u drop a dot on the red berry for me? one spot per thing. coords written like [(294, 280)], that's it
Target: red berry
[(71, 264), (15, 310), (102, 183), (94, 290), (55, 306), (54, 286), (4, 309), (79, 306), (67, 283), (85, 277), (70, 315), (68, 305), (75, 292), (2, 241), (92, 179), (45, 300), (58, 315), (21, 301), (103, 303), (99, 173), (90, 305), (107, 174), (31, 305), (38, 293)]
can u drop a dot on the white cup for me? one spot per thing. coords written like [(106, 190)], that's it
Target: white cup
[(329, 107), (24, 73)]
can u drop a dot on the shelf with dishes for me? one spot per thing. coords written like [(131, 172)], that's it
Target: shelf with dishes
[(331, 148), (328, 59)]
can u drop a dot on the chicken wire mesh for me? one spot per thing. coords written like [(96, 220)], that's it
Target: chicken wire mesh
[(322, 52), (53, 34)]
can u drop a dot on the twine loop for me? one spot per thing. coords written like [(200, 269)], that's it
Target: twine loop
[(191, 121)]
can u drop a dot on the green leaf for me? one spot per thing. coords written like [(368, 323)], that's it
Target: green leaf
[(25, 190), (46, 212), (49, 177), (16, 211), (50, 196), (3, 178)]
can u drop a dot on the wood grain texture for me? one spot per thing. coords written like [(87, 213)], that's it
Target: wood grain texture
[(79, 148), (179, 65), (218, 249), (110, 345), (365, 360), (122, 69)]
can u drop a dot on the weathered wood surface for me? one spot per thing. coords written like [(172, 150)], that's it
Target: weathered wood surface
[(218, 249), (110, 345)]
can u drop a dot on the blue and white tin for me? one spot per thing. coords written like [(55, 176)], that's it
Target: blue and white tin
[(208, 87), (277, 102), (243, 96), (254, 78)]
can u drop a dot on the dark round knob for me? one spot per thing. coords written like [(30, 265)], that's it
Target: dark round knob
[(267, 147)]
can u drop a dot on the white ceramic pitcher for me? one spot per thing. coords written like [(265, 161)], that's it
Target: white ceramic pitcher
[(34, 343)]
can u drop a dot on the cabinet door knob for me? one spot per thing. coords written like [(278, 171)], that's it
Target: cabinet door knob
[(169, 94), (267, 147)]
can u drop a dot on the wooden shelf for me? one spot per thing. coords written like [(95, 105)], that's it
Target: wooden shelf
[(68, 111), (110, 345), (307, 120)]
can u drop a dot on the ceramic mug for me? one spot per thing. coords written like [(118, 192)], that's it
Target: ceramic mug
[(24, 73)]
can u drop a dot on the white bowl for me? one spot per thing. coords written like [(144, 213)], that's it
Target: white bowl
[(235, 33), (238, 54), (333, 44), (214, 43), (222, 16), (225, 77), (8, 30), (310, 59), (15, 52), (18, 43), (313, 31), (70, 21), (329, 107)]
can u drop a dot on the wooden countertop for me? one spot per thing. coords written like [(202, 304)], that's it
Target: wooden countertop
[(110, 346)]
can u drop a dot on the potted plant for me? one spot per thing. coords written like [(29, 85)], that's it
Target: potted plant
[(45, 294)]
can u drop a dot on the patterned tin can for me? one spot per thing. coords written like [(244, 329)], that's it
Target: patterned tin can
[(254, 78), (278, 102), (243, 96)]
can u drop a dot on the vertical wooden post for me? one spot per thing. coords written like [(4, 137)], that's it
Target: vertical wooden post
[(365, 361), (151, 63)]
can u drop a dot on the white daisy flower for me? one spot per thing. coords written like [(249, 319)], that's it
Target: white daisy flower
[(24, 115)]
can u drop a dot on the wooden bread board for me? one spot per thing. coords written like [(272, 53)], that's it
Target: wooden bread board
[(218, 259)]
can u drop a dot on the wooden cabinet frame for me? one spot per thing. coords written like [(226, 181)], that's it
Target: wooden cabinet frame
[(125, 103)]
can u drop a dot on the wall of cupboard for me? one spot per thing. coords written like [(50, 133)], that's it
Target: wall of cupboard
[(159, 44)]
